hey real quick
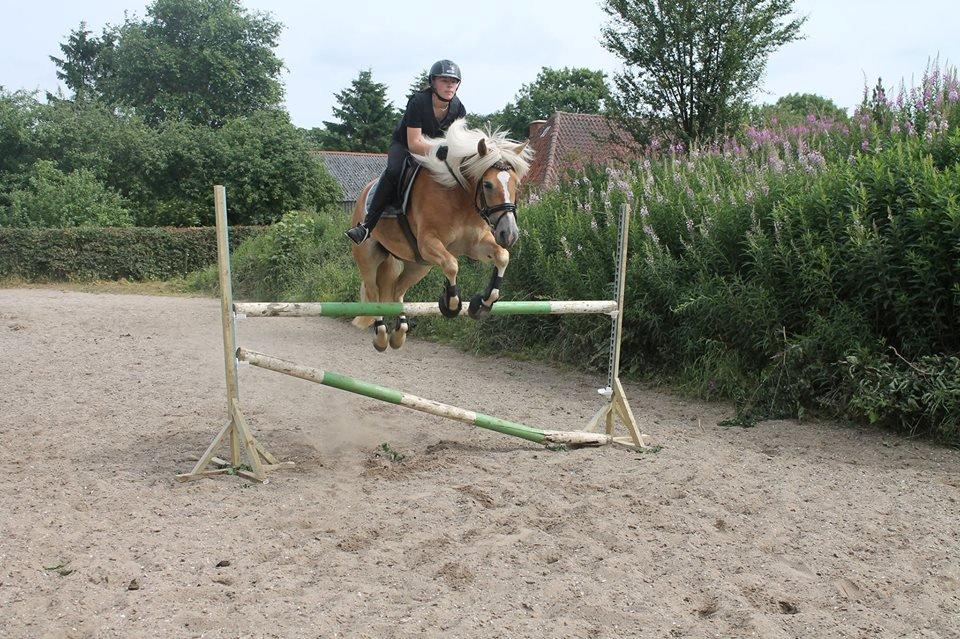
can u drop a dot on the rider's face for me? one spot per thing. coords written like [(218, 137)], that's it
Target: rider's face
[(446, 87)]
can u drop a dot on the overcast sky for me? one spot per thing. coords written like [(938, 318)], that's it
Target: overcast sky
[(502, 44)]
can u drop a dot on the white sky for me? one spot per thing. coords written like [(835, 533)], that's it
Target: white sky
[(501, 44)]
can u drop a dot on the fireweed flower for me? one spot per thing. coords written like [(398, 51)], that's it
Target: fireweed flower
[(748, 196), (644, 213), (690, 227), (648, 230)]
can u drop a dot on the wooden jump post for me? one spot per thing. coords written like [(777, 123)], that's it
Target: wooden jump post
[(243, 444)]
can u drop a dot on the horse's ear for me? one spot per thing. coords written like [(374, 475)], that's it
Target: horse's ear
[(520, 149), (482, 147)]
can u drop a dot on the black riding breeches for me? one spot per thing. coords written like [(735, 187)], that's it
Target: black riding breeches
[(387, 187)]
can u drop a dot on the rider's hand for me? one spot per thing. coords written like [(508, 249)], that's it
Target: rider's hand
[(442, 152)]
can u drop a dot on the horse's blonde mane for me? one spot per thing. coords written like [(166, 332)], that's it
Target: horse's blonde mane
[(463, 159)]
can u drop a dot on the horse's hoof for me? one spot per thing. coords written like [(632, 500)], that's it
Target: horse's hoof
[(445, 309), (399, 334), (477, 309), (380, 336)]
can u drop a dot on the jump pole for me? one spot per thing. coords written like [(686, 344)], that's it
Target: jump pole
[(392, 396), (259, 461)]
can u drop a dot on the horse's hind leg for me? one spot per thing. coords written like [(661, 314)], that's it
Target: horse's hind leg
[(411, 274), (488, 250), (370, 258)]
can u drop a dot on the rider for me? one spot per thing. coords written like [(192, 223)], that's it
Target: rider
[(429, 113)]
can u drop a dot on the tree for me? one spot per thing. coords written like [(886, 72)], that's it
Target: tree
[(82, 60), (691, 65), (795, 108), (18, 115), (576, 90), (804, 104), (421, 82), (366, 117), (203, 61)]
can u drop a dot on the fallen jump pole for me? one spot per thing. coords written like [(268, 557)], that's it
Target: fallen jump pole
[(392, 396), (388, 309)]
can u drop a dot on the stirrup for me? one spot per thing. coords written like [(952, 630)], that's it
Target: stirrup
[(358, 234)]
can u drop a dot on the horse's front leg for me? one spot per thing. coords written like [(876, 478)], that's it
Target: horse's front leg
[(488, 250), (433, 251)]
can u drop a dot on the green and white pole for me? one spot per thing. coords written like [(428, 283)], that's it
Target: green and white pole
[(389, 309), (392, 396)]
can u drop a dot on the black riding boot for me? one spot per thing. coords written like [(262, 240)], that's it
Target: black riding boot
[(381, 198)]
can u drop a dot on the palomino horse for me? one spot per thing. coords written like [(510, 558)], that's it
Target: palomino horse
[(468, 208)]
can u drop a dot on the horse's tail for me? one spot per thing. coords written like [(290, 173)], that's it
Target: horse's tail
[(364, 321)]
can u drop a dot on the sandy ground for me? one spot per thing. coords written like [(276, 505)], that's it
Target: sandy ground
[(785, 530)]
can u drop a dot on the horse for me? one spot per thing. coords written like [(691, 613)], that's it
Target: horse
[(467, 208)]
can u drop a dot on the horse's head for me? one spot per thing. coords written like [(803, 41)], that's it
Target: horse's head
[(497, 196), (488, 164)]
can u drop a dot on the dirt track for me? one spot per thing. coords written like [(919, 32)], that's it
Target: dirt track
[(785, 530)]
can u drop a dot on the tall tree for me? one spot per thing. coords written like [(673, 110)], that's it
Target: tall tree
[(366, 117), (421, 82), (81, 64), (201, 61), (691, 65)]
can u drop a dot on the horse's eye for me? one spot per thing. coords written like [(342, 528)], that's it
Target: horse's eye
[(488, 185)]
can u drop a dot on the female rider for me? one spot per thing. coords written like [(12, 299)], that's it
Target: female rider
[(429, 113)]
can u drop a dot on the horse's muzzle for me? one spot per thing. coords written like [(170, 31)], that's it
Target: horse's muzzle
[(506, 232)]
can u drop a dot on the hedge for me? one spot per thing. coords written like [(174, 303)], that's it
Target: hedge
[(111, 253)]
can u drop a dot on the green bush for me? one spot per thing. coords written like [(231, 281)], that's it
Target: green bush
[(52, 198), (921, 396)]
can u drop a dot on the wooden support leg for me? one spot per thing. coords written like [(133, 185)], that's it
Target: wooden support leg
[(622, 408), (237, 430)]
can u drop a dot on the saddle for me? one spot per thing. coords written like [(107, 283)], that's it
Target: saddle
[(398, 208), (401, 200)]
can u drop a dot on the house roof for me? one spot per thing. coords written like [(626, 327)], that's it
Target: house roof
[(353, 170), (572, 140)]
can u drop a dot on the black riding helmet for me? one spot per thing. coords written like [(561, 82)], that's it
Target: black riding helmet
[(445, 69)]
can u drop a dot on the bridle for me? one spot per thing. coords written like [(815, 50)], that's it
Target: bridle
[(480, 199), (484, 209)]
